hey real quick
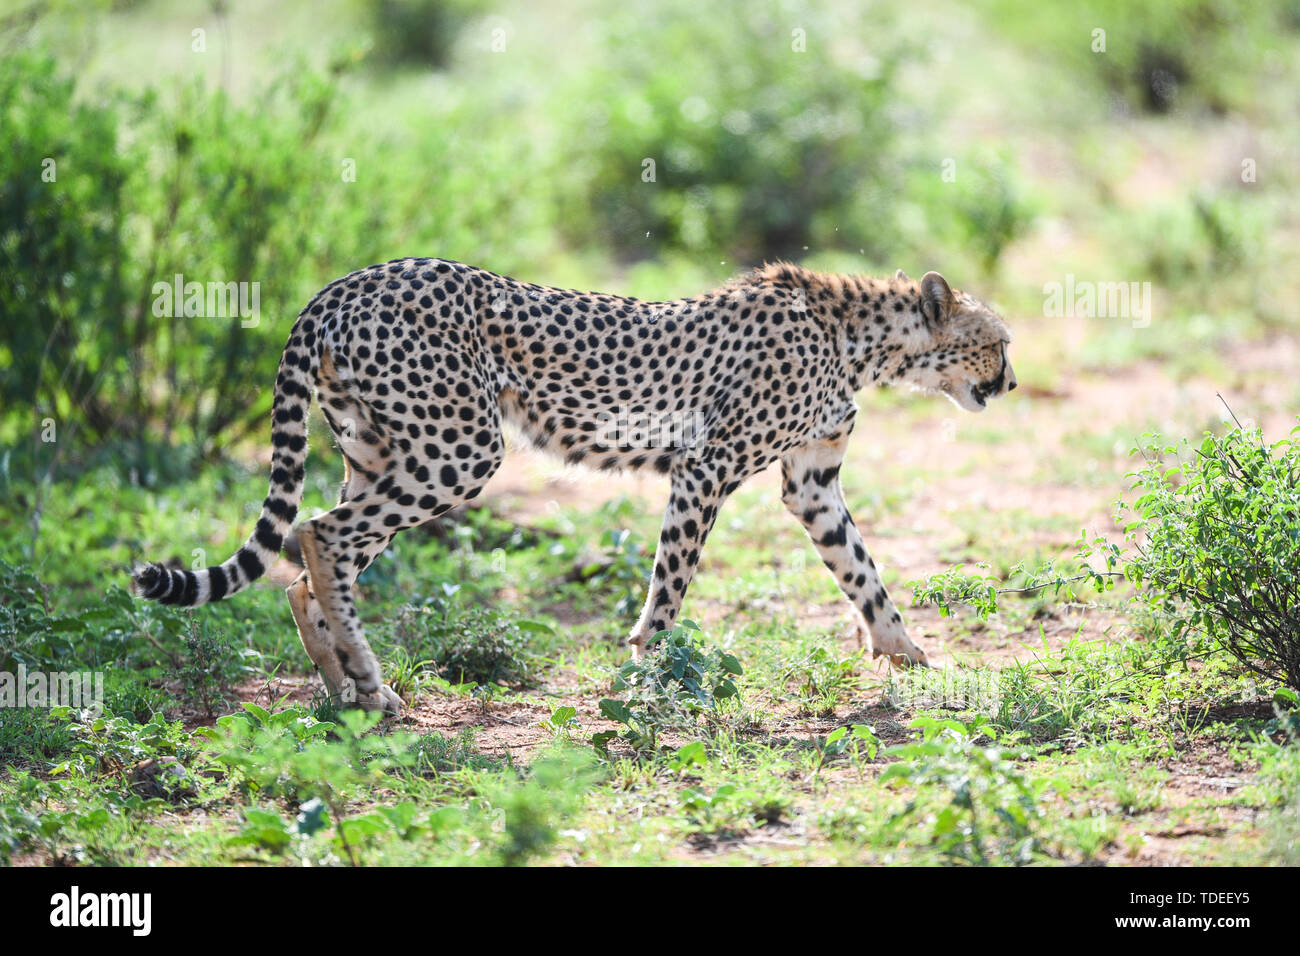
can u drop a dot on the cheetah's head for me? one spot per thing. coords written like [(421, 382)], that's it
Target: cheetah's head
[(959, 349)]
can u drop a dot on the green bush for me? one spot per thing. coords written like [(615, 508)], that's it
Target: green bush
[(760, 149), (468, 645), (1202, 238), (416, 32), (1158, 56), (140, 191), (977, 212), (64, 189), (1216, 538), (266, 191), (115, 629)]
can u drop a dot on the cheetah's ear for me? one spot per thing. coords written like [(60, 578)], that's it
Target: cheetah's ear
[(936, 298), (900, 274)]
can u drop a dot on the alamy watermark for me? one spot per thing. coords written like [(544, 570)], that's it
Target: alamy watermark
[(73, 909), (945, 689), (628, 429), (1083, 299), (80, 690), (208, 300)]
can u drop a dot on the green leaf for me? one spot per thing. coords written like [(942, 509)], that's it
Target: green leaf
[(692, 754), (260, 713), (615, 710)]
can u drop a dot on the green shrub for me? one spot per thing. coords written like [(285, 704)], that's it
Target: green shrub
[(672, 685), (1158, 56), (114, 629), (468, 645), (211, 663), (64, 187), (416, 32), (759, 148), (267, 190), (1207, 236), (141, 191), (1216, 539)]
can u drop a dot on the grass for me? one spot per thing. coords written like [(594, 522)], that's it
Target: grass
[(819, 758), (1054, 733)]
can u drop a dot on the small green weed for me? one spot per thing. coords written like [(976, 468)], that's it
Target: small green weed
[(671, 686), (984, 810)]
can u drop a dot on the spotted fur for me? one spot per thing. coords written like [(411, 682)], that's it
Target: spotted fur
[(416, 363)]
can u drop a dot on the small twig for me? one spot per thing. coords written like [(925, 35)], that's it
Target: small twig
[(1059, 581)]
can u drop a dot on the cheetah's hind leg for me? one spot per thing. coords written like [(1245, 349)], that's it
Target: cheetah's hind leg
[(366, 454), (361, 683), (393, 488)]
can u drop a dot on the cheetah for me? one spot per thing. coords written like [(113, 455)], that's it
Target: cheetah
[(416, 363)]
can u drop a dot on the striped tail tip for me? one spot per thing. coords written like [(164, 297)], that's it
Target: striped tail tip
[(149, 581), (153, 582)]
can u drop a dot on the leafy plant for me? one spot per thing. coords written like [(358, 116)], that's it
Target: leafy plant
[(675, 683), (1216, 545), (562, 721), (289, 754), (980, 589), (986, 810), (113, 745), (473, 644), (211, 663), (40, 637), (859, 740)]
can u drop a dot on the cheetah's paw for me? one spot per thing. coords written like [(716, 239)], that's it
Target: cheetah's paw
[(384, 699)]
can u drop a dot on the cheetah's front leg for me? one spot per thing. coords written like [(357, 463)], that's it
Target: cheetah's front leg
[(811, 490), (698, 490)]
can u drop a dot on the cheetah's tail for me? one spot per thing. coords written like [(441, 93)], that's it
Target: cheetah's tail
[(288, 458)]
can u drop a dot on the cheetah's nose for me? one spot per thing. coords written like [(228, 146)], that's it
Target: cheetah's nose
[(1011, 385)]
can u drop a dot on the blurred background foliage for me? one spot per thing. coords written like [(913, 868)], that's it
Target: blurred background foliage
[(652, 150)]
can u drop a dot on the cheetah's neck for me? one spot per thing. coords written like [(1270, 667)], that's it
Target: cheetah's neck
[(879, 320)]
